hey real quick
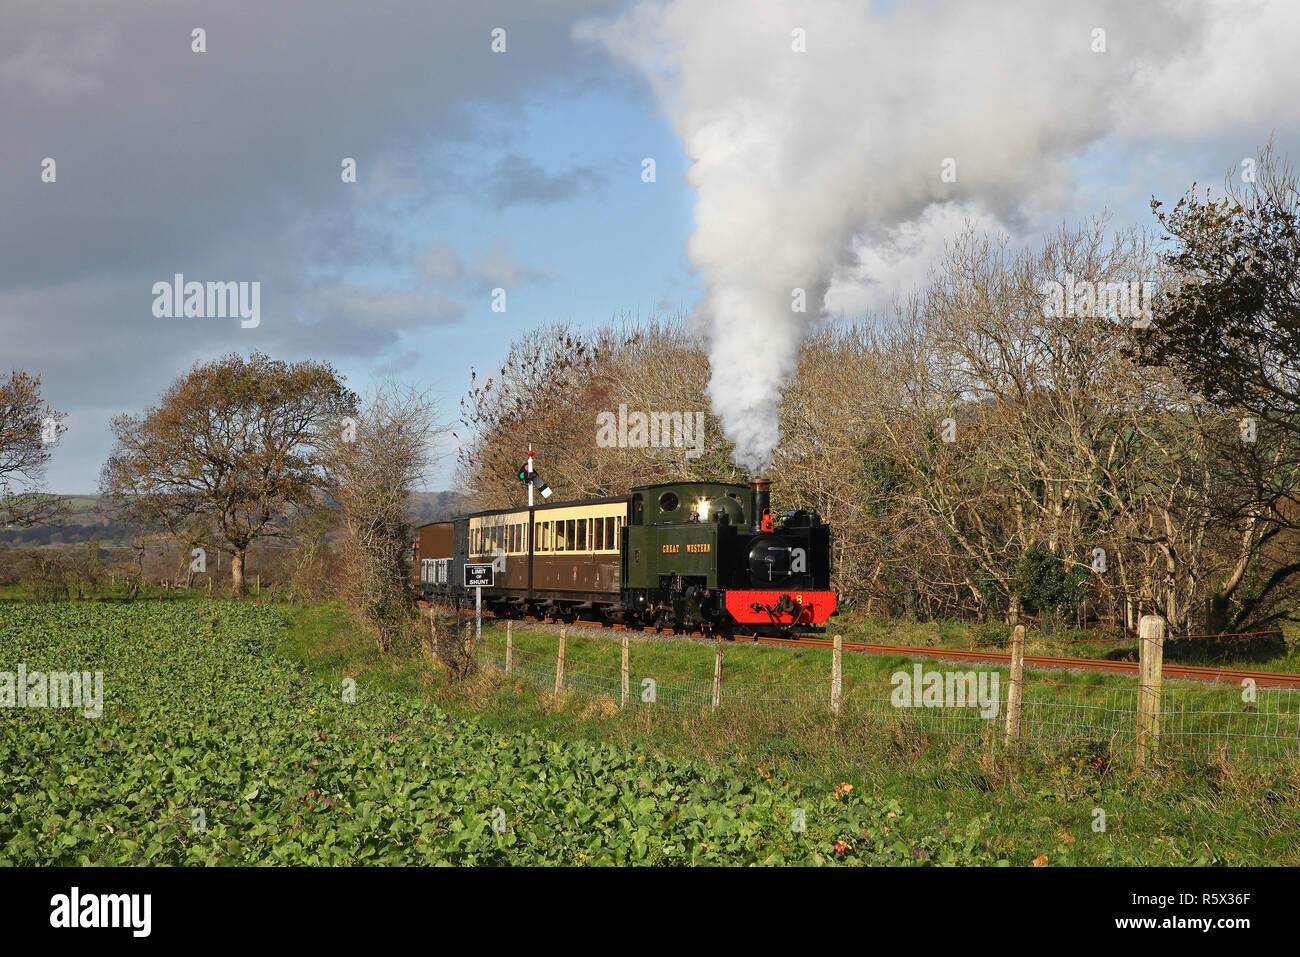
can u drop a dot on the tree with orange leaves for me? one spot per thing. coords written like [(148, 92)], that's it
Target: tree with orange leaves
[(233, 448)]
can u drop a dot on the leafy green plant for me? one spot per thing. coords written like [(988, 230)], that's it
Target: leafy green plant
[(991, 634), (212, 749)]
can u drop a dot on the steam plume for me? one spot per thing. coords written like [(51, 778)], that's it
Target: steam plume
[(803, 161)]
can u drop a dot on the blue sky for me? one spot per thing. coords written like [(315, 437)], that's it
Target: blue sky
[(617, 244)]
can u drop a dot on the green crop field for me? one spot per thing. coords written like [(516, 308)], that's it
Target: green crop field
[(225, 738), (215, 748)]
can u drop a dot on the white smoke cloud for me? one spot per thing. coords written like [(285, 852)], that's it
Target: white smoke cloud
[(824, 166)]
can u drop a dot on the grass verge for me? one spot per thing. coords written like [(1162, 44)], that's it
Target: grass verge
[(1045, 807)]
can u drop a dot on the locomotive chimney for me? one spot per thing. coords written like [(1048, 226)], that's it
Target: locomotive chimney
[(758, 496)]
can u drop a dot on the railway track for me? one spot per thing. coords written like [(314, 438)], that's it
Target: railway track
[(1262, 679)]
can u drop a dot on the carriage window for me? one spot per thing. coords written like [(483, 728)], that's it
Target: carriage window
[(600, 535), (561, 542), (609, 533), (582, 534)]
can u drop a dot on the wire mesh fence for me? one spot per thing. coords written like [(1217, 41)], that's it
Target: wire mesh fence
[(1218, 722)]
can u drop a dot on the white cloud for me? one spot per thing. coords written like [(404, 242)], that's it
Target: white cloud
[(499, 266), (440, 263), (60, 66)]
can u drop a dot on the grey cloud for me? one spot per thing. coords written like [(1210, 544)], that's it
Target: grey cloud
[(440, 263), (397, 366), (379, 310), (58, 67), (499, 266), (517, 181), (225, 165)]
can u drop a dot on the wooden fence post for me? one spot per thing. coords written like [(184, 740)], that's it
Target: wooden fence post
[(1151, 652), (510, 647), (623, 674), (837, 674), (433, 634), (717, 678), (1017, 682), (559, 665)]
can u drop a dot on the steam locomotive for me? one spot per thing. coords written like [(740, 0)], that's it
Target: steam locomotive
[(682, 555)]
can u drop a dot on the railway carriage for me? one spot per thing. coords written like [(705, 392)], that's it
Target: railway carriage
[(704, 555)]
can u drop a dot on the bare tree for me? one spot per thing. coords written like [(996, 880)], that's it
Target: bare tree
[(553, 388), (374, 467), (29, 430)]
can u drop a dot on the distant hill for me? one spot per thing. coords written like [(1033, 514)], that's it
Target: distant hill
[(429, 507), (88, 521)]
